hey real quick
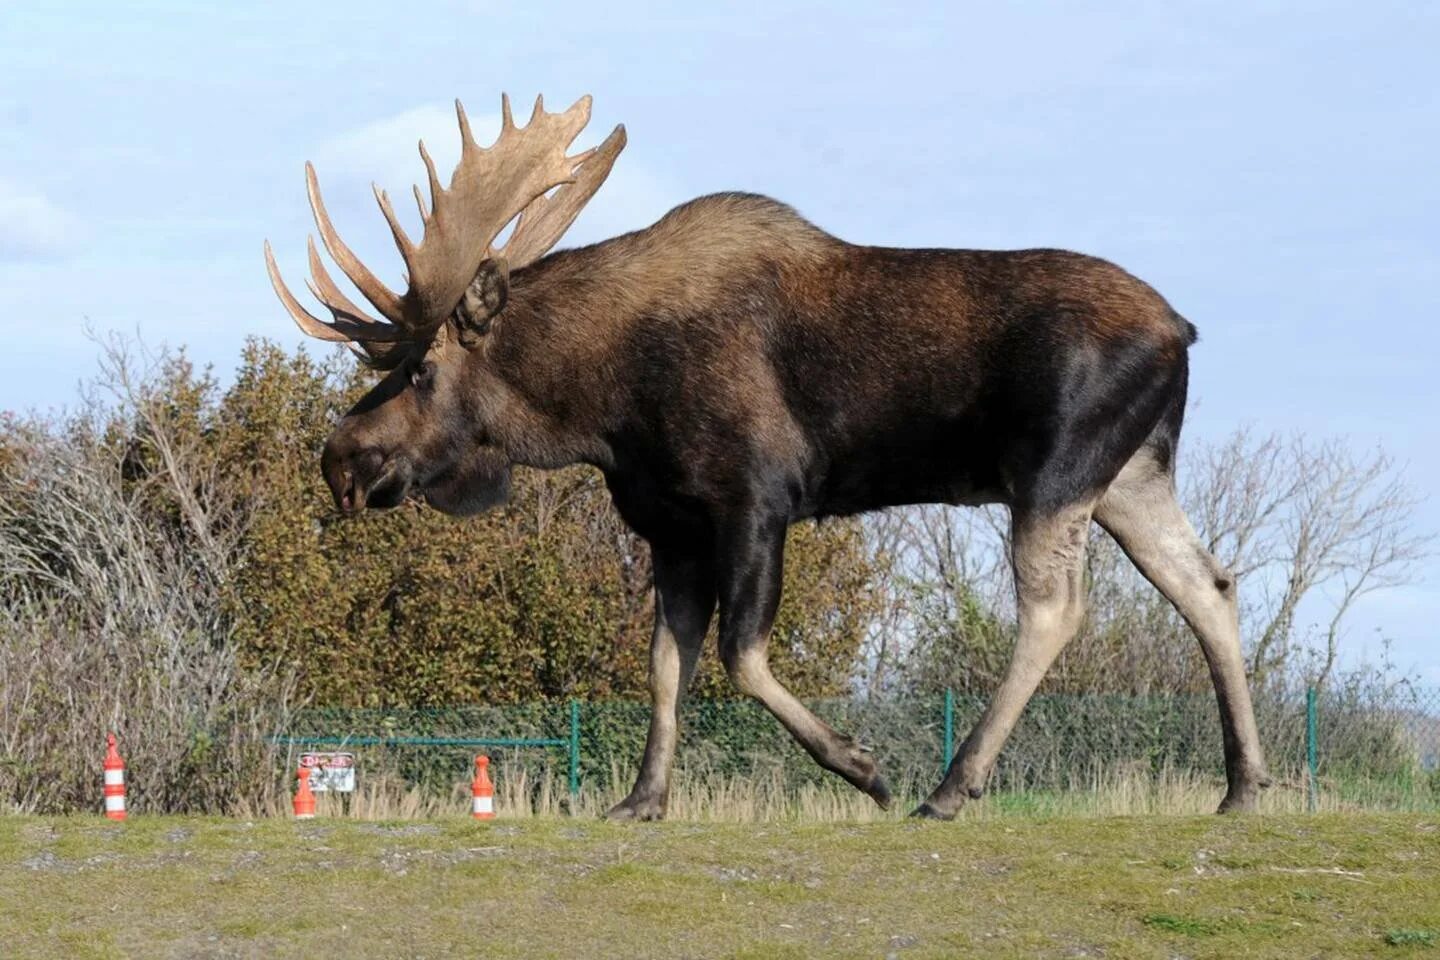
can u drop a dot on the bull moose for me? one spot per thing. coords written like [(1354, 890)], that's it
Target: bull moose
[(733, 369)]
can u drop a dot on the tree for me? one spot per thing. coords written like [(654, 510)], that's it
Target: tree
[(1304, 521), (1305, 526), (548, 597), (116, 547)]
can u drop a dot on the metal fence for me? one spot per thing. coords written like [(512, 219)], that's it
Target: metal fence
[(1337, 748)]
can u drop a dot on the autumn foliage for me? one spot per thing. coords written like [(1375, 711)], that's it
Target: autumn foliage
[(548, 597)]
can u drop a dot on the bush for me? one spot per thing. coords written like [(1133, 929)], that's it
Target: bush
[(111, 611), (173, 569)]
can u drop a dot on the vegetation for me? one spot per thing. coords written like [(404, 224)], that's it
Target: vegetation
[(773, 795), (1205, 886), (546, 598), (1302, 524), (173, 569)]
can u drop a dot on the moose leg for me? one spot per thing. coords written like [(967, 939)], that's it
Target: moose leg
[(751, 558), (684, 603), (1047, 554), (1140, 512)]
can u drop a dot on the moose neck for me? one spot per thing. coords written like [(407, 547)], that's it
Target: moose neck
[(548, 383), (584, 329)]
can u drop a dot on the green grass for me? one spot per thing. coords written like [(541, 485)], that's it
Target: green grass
[(1346, 885)]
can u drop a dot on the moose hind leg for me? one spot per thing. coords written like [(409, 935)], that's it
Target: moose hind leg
[(1048, 554), (749, 578), (684, 604), (1140, 511)]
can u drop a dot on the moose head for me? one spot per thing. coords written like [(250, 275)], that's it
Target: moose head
[(429, 427)]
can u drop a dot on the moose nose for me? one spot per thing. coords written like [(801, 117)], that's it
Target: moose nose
[(349, 471), (338, 475)]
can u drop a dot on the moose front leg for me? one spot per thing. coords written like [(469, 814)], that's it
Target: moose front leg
[(684, 603), (750, 563)]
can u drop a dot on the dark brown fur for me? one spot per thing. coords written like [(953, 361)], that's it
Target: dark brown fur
[(732, 369)]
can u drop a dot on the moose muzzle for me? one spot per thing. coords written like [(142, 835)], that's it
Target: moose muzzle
[(363, 477)]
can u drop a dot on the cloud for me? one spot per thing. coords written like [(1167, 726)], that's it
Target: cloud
[(384, 151), (31, 227), (632, 197)]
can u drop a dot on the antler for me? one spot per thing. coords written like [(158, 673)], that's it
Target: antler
[(545, 220), (489, 188)]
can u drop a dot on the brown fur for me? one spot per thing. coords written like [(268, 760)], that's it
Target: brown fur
[(733, 369)]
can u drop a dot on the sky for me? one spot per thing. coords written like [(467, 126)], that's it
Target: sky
[(1270, 167)]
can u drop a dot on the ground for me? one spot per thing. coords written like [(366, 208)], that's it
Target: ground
[(1331, 885)]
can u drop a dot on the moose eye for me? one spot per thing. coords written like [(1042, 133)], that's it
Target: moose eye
[(422, 374)]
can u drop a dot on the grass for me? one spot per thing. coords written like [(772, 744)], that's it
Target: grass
[(1406, 938), (1279, 885), (770, 797)]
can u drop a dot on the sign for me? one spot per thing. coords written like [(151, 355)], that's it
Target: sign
[(330, 771)]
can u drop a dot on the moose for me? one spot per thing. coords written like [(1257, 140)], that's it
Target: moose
[(733, 369)]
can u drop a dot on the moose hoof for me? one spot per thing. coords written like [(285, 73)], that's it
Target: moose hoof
[(879, 791), (1238, 803), (1244, 797), (856, 764), (926, 812), (636, 808)]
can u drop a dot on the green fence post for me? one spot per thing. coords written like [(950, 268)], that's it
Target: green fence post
[(1312, 747), (949, 731), (574, 749)]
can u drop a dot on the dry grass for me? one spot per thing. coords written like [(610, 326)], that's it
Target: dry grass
[(769, 798)]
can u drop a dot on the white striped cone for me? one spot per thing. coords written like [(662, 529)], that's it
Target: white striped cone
[(114, 781), (482, 791), (304, 796)]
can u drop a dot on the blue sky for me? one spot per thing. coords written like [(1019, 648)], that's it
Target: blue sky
[(1270, 167)]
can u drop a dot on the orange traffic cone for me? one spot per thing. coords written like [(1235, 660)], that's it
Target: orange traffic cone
[(114, 780), (482, 791), (304, 798)]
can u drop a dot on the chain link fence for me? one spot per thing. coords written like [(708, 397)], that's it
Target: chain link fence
[(1330, 749)]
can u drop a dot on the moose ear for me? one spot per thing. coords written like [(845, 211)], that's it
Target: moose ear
[(485, 297)]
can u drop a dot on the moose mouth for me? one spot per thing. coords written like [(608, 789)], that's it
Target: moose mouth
[(388, 489), (373, 480)]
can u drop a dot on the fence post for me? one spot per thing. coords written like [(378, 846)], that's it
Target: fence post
[(1312, 747), (949, 732), (574, 749)]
